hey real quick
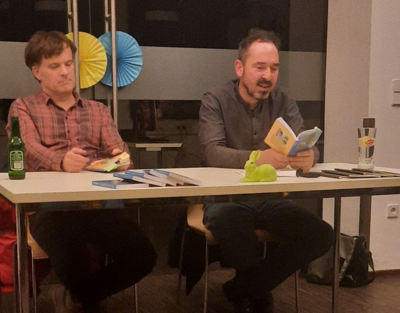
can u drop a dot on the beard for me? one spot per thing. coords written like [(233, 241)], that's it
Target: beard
[(258, 95)]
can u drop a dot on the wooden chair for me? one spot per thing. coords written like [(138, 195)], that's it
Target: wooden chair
[(195, 222), (37, 253)]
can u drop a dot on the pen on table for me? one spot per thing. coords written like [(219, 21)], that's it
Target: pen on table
[(335, 172), (364, 174), (348, 171), (349, 175), (382, 173), (332, 175)]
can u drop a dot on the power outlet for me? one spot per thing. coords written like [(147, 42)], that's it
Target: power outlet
[(392, 211)]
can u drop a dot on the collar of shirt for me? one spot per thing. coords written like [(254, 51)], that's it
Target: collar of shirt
[(46, 98)]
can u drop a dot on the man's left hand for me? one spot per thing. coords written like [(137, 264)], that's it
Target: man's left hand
[(303, 160)]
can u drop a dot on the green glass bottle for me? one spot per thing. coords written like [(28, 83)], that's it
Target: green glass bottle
[(16, 151)]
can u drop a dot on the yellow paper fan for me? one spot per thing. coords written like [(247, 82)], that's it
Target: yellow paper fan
[(92, 59)]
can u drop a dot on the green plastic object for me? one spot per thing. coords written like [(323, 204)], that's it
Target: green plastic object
[(262, 173)]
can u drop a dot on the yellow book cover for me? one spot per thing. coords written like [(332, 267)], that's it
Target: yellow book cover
[(110, 164), (282, 139)]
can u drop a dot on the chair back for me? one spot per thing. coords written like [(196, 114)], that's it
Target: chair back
[(36, 250)]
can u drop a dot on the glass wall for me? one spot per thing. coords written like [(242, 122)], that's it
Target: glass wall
[(206, 25), (221, 24)]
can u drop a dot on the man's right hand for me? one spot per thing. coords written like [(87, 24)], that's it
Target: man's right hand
[(273, 158), (74, 160)]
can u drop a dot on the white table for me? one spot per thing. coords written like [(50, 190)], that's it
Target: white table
[(219, 185)]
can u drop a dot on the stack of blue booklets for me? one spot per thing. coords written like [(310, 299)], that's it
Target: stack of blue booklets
[(132, 179)]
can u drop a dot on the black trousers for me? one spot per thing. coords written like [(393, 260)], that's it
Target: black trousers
[(298, 238), (66, 236)]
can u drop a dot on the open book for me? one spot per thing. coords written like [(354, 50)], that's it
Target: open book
[(110, 164), (282, 139)]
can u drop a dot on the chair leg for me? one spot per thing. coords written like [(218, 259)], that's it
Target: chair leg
[(206, 281), (34, 291), (136, 298), (135, 287), (296, 287), (16, 287), (178, 288)]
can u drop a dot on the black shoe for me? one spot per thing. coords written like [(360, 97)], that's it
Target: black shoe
[(237, 296), (264, 305)]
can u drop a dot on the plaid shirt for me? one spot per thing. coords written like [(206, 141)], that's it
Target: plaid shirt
[(49, 132)]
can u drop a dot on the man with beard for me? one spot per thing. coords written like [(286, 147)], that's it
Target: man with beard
[(234, 120)]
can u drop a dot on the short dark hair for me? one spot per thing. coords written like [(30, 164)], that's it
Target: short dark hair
[(256, 34), (45, 45)]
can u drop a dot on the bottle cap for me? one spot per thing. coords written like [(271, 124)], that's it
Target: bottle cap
[(368, 122)]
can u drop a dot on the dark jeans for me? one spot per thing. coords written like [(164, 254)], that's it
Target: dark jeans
[(65, 236), (298, 238)]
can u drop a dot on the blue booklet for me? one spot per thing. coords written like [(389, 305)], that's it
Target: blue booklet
[(146, 174), (119, 184), (180, 179), (138, 177)]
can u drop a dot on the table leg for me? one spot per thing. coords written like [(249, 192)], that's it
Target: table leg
[(364, 227), (336, 256), (23, 276)]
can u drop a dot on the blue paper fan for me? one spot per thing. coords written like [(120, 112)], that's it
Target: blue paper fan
[(129, 59)]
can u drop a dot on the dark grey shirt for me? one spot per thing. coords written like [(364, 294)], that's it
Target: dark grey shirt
[(230, 131)]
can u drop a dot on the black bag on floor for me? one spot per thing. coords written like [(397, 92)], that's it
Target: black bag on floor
[(355, 261)]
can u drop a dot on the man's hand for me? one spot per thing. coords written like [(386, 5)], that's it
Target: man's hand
[(303, 160), (116, 151), (273, 158), (120, 168), (74, 160)]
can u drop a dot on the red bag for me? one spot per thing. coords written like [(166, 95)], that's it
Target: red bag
[(8, 238)]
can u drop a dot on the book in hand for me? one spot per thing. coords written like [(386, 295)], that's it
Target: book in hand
[(180, 179), (119, 184), (140, 179), (282, 139), (110, 164)]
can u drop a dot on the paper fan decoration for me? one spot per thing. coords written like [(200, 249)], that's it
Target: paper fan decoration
[(129, 59), (92, 59)]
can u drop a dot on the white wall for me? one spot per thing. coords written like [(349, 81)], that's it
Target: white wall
[(362, 59)]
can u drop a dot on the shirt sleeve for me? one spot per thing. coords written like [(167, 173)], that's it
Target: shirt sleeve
[(37, 156), (212, 137)]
